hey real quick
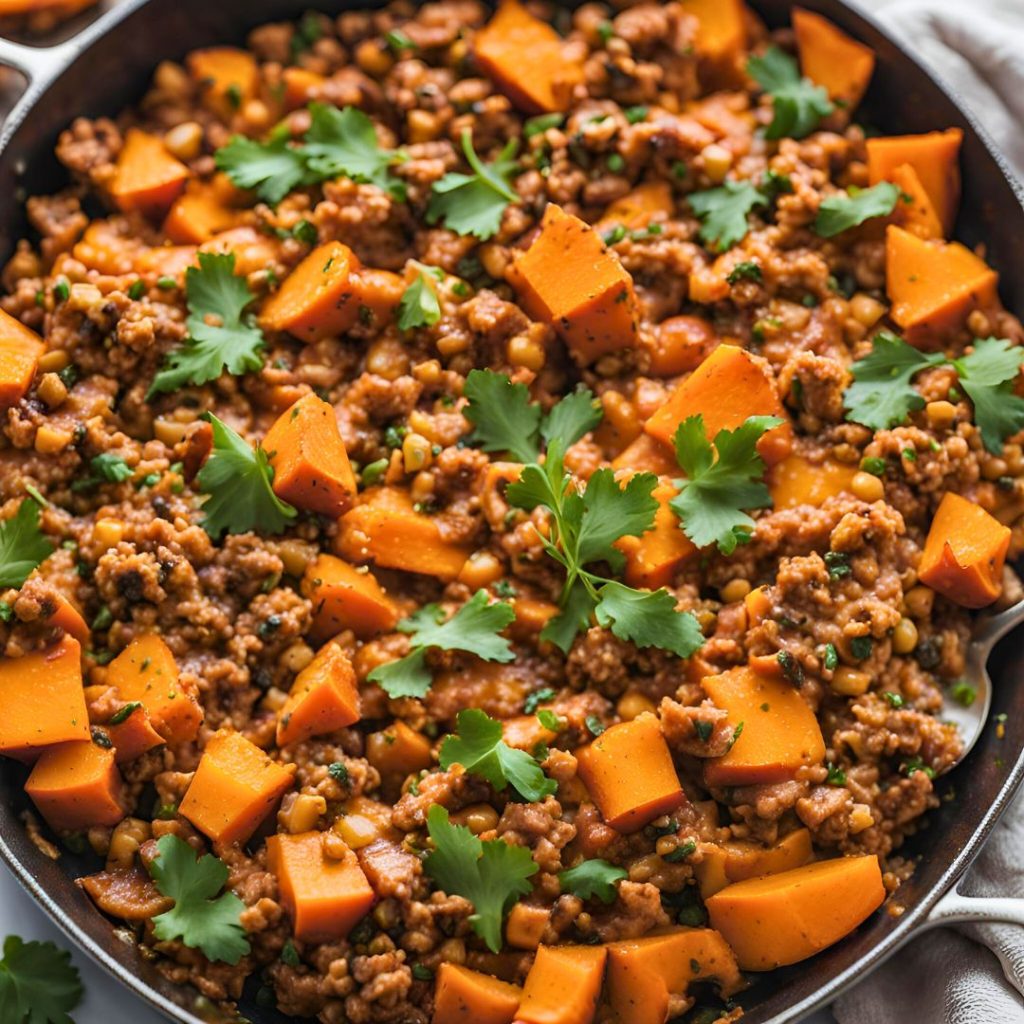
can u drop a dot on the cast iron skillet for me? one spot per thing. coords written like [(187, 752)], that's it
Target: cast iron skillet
[(109, 64)]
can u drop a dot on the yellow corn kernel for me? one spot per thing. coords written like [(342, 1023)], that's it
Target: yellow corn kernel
[(184, 140), (50, 440), (52, 390), (477, 818), (416, 453), (53, 361), (169, 432), (860, 818), (297, 657), (481, 569), (735, 590), (850, 682), (108, 532), (632, 704), (867, 486), (904, 637), (357, 830), (303, 813), (717, 161)]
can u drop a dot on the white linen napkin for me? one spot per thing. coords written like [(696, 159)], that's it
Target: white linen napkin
[(967, 973)]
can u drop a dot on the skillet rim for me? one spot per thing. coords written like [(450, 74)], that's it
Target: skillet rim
[(54, 65)]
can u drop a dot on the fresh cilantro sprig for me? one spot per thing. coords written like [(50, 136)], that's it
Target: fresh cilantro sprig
[(507, 422), (473, 204), (799, 104), (475, 628), (338, 142), (987, 376), (478, 746), (419, 305), (593, 879), (237, 478), (38, 983), (203, 917), (233, 343), (723, 478), (723, 212), (23, 546), (840, 213), (106, 467), (491, 875)]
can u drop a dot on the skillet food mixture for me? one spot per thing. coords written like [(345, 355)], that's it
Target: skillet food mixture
[(492, 515)]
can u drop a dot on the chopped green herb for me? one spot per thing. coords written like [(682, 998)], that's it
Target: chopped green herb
[(748, 270), (723, 212), (840, 213), (593, 879), (23, 546), (836, 775), (538, 697), (799, 104), (38, 983)]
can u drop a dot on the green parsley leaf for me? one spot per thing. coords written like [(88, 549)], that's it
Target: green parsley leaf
[(840, 213), (648, 619), (799, 104), (480, 749), (882, 394), (608, 512), (593, 878), (237, 479), (213, 290), (473, 204), (272, 168), (419, 306), (748, 270), (576, 414), (715, 492), (345, 142), (38, 983), (491, 875), (200, 917), (723, 212), (836, 776), (475, 628), (987, 377), (23, 546)]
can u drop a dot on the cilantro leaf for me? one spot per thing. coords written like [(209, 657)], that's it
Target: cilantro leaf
[(882, 394), (419, 306), (200, 917), (712, 498), (213, 290), (111, 467), (272, 168), (23, 546), (593, 878), (475, 628), (840, 213), (504, 418), (473, 204), (609, 512), (576, 414), (491, 875), (38, 983), (799, 104), (345, 142), (237, 479), (577, 608), (648, 619), (723, 212), (480, 749), (987, 375)]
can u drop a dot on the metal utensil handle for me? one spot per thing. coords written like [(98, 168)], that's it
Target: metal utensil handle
[(36, 63), (953, 907)]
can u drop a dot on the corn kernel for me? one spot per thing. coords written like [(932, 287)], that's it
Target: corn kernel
[(50, 440), (52, 390), (53, 361), (184, 140), (477, 818), (866, 310), (481, 569), (108, 532), (850, 682), (297, 657), (168, 432), (860, 818), (524, 351), (416, 453), (357, 830), (717, 161), (632, 704), (303, 813), (735, 590)]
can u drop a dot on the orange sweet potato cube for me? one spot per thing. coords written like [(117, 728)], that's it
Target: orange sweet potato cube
[(311, 467), (636, 209), (228, 77), (798, 481), (147, 672), (563, 985), (345, 597), (43, 700), (780, 732), (198, 214), (67, 617), (147, 178), (324, 896), (653, 558), (914, 212), (234, 788), (133, 736), (324, 697), (76, 786), (570, 279), (469, 997), (398, 750), (628, 771), (830, 58), (721, 40), (20, 349), (300, 86)]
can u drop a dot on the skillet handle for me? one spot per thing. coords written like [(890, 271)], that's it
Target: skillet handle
[(36, 63), (953, 907)]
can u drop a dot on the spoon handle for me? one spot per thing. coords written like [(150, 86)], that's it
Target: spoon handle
[(954, 907), (990, 629)]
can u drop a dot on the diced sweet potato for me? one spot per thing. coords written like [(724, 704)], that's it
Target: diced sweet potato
[(345, 597), (780, 732), (524, 732), (384, 526), (67, 617), (199, 213), (311, 467), (934, 286), (253, 250), (570, 279), (797, 481), (234, 788), (653, 558), (398, 750), (324, 697), (735, 861), (147, 672), (323, 895), (563, 985), (629, 773), (914, 212), (43, 700), (721, 40), (526, 925), (830, 58), (228, 77), (469, 997), (646, 455), (964, 553), (134, 736), (147, 177), (526, 59), (651, 200), (104, 247), (936, 159), (76, 786), (20, 349), (300, 86), (643, 974), (532, 615), (727, 388), (379, 292), (784, 918)]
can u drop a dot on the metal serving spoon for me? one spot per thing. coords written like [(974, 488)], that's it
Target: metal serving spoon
[(973, 718)]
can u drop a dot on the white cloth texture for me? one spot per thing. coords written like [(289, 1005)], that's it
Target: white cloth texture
[(968, 973)]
